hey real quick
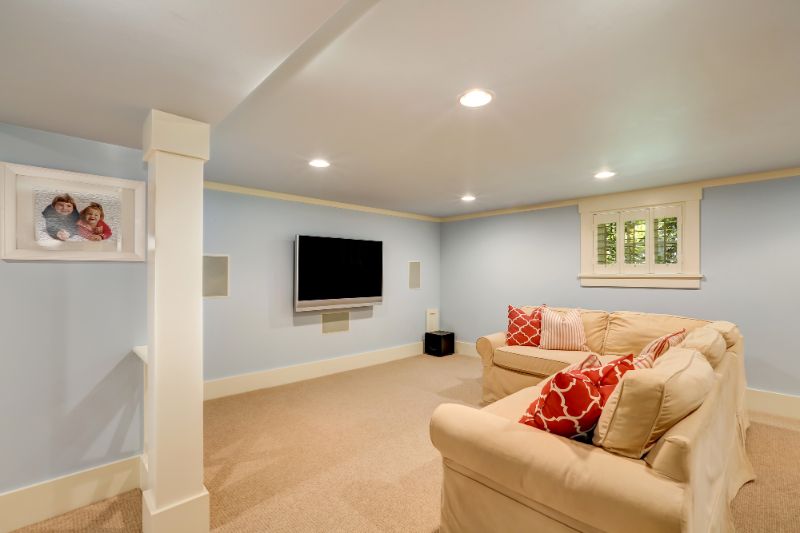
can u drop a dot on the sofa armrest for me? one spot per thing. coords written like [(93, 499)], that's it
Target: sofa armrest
[(579, 480), (486, 346)]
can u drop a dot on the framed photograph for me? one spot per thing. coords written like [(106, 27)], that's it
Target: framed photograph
[(55, 215)]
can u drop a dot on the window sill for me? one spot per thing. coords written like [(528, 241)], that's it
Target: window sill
[(655, 281)]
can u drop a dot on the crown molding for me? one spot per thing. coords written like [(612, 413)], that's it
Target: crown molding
[(701, 184), (262, 193)]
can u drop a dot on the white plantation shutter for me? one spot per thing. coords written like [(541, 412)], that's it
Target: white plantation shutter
[(667, 228), (634, 245), (606, 238)]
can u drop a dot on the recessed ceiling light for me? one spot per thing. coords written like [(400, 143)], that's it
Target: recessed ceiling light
[(475, 98), (605, 174), (467, 198), (319, 163)]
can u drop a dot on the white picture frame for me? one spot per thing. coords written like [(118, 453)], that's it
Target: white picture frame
[(107, 221)]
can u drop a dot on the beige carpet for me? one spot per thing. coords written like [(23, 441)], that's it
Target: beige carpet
[(351, 453)]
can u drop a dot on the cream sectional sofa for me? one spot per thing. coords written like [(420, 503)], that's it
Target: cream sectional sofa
[(503, 476)]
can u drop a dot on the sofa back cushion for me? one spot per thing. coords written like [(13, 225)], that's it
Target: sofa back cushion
[(709, 342), (729, 331), (630, 332), (594, 326), (648, 402), (658, 346)]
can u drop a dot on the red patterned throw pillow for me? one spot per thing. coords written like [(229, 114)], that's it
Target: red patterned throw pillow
[(607, 376), (571, 402), (524, 329), (658, 346), (569, 405)]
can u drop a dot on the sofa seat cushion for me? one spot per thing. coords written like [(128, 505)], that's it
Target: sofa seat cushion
[(514, 405), (535, 361)]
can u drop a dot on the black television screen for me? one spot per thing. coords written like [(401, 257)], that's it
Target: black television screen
[(334, 273)]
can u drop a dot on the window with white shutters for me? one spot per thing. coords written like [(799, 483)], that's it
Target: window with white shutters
[(645, 240), (641, 246)]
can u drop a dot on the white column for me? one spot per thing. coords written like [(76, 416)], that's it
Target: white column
[(174, 498)]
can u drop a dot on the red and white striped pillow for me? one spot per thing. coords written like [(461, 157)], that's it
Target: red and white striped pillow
[(524, 329), (658, 346), (562, 331)]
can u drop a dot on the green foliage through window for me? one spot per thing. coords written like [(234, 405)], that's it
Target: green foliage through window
[(607, 243), (665, 240), (635, 242)]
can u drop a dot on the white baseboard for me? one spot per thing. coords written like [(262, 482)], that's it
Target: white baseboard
[(218, 388), (466, 348), (189, 515), (773, 403), (34, 503)]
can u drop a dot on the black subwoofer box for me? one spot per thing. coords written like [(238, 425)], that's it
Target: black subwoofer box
[(440, 343)]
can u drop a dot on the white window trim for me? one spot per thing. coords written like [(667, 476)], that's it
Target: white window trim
[(688, 277)]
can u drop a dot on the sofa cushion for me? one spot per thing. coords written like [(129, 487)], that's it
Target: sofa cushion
[(512, 405), (562, 330), (730, 332), (630, 332), (708, 341), (656, 347), (569, 405), (524, 327), (649, 401), (535, 361), (594, 326)]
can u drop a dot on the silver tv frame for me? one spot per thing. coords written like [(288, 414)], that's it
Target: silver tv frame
[(337, 303)]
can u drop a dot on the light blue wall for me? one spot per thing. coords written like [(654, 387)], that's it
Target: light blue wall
[(750, 252), (256, 328), (70, 392)]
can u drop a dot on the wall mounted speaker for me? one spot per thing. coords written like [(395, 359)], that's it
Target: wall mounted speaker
[(215, 276), (414, 281), (335, 322)]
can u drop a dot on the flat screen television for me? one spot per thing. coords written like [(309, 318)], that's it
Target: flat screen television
[(333, 273)]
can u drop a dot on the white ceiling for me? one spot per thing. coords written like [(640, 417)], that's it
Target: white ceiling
[(661, 92), (94, 68)]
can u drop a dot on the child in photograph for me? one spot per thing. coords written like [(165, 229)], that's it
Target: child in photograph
[(61, 217), (91, 225)]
